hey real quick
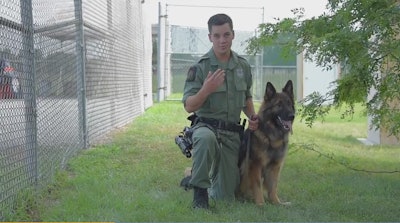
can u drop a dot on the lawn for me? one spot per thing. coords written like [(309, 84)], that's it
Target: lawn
[(328, 176)]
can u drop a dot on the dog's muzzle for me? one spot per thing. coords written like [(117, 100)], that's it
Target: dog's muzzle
[(287, 124)]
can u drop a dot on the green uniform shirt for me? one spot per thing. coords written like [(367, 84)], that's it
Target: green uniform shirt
[(227, 102)]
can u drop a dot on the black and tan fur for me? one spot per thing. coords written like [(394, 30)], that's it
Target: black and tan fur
[(263, 151)]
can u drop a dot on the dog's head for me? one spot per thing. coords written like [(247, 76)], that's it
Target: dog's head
[(278, 107)]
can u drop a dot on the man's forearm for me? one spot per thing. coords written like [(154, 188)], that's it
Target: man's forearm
[(249, 109), (194, 102)]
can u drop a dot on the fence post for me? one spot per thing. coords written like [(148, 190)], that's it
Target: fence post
[(161, 55), (80, 71), (28, 83)]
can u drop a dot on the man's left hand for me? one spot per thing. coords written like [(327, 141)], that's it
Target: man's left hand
[(253, 122)]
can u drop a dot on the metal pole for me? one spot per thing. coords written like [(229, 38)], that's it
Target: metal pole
[(262, 58), (114, 72), (28, 80), (160, 55), (80, 71)]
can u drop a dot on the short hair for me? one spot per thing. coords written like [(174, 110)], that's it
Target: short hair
[(218, 20)]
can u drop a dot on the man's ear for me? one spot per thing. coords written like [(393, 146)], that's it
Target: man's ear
[(209, 37), (233, 32)]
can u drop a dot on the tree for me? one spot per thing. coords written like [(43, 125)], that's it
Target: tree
[(363, 36)]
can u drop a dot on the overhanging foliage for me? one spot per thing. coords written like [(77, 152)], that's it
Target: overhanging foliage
[(361, 35)]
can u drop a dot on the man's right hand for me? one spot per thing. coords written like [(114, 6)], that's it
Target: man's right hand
[(210, 85), (214, 80)]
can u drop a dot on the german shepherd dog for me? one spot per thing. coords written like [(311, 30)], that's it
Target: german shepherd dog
[(263, 151)]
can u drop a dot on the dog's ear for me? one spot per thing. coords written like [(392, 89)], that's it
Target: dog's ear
[(288, 89), (269, 91)]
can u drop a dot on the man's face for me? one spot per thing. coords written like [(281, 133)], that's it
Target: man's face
[(221, 37)]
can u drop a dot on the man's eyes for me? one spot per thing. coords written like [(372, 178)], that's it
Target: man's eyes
[(225, 35)]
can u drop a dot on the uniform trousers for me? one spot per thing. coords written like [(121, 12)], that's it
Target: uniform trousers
[(215, 161)]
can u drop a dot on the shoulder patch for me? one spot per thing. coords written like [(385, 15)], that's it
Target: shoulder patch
[(191, 74)]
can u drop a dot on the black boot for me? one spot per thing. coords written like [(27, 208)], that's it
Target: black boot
[(200, 198)]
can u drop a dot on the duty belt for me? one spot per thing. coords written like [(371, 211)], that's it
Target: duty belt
[(219, 124)]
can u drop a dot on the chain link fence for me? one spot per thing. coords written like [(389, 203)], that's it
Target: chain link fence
[(183, 54), (71, 72), (182, 46)]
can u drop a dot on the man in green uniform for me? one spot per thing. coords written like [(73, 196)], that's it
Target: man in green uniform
[(217, 90)]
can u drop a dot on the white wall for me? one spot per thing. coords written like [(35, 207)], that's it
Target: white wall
[(313, 78)]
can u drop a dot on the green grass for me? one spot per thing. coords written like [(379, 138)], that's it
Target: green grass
[(136, 177)]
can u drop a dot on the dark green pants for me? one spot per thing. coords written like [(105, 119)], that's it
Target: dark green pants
[(215, 161)]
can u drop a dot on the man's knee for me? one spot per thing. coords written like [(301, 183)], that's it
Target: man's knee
[(204, 133)]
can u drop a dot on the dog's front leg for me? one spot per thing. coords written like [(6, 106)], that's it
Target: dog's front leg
[(256, 188), (271, 178)]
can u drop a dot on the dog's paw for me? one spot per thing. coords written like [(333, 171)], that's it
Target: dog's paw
[(286, 204), (260, 204)]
